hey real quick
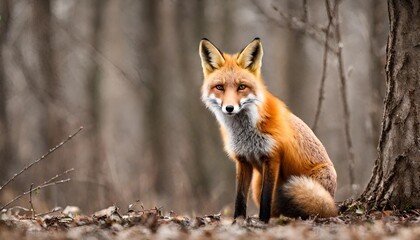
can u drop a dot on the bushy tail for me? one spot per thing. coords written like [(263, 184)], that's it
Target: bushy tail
[(303, 197)]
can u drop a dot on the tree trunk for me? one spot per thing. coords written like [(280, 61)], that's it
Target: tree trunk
[(378, 30), (5, 141), (295, 74), (48, 70), (395, 182), (195, 168), (96, 171), (52, 122), (155, 122)]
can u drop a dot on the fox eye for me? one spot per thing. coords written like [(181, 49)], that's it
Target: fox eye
[(241, 87), (220, 87)]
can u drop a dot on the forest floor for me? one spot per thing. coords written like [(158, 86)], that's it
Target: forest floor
[(112, 223)]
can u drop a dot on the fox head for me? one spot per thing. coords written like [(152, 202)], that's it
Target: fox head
[(232, 83)]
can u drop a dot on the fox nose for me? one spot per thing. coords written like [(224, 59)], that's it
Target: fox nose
[(229, 108)]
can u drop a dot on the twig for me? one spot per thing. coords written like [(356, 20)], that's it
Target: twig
[(34, 189), (343, 91), (330, 14), (300, 24), (157, 210), (44, 183), (56, 209), (30, 201), (305, 16), (415, 212), (296, 24), (41, 158), (57, 176), (138, 84), (19, 208), (132, 205)]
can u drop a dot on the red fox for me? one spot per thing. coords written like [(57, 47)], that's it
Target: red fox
[(275, 151)]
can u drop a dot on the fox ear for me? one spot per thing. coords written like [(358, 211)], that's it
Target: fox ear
[(251, 56), (211, 57)]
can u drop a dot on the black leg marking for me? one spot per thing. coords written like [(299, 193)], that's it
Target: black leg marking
[(243, 181), (266, 193)]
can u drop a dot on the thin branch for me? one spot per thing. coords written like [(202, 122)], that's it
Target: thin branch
[(343, 91), (132, 205), (41, 158), (30, 201), (44, 184), (56, 209), (297, 24), (19, 208), (138, 84), (300, 24), (309, 29), (415, 212), (57, 176), (305, 16), (34, 189), (143, 211), (330, 13)]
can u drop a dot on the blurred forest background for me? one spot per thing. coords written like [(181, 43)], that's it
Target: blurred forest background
[(130, 73)]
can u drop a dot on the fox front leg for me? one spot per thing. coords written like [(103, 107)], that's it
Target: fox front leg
[(270, 174), (243, 181)]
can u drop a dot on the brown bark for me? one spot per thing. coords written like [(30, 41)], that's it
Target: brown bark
[(93, 75), (5, 141), (296, 62), (344, 98), (196, 168), (378, 30), (52, 122), (395, 182), (96, 172), (42, 17), (156, 126)]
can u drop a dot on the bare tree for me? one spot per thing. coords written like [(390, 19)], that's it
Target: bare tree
[(52, 122), (5, 141), (296, 61), (93, 87), (42, 17), (196, 170), (378, 28), (396, 175), (154, 105)]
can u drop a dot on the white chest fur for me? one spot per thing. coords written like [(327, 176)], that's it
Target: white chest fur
[(244, 138)]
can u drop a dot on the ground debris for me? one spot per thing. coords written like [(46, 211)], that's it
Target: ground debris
[(112, 223)]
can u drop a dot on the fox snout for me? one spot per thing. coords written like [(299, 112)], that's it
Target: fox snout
[(230, 109)]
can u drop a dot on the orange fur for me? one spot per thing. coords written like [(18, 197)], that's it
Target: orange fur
[(295, 150)]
